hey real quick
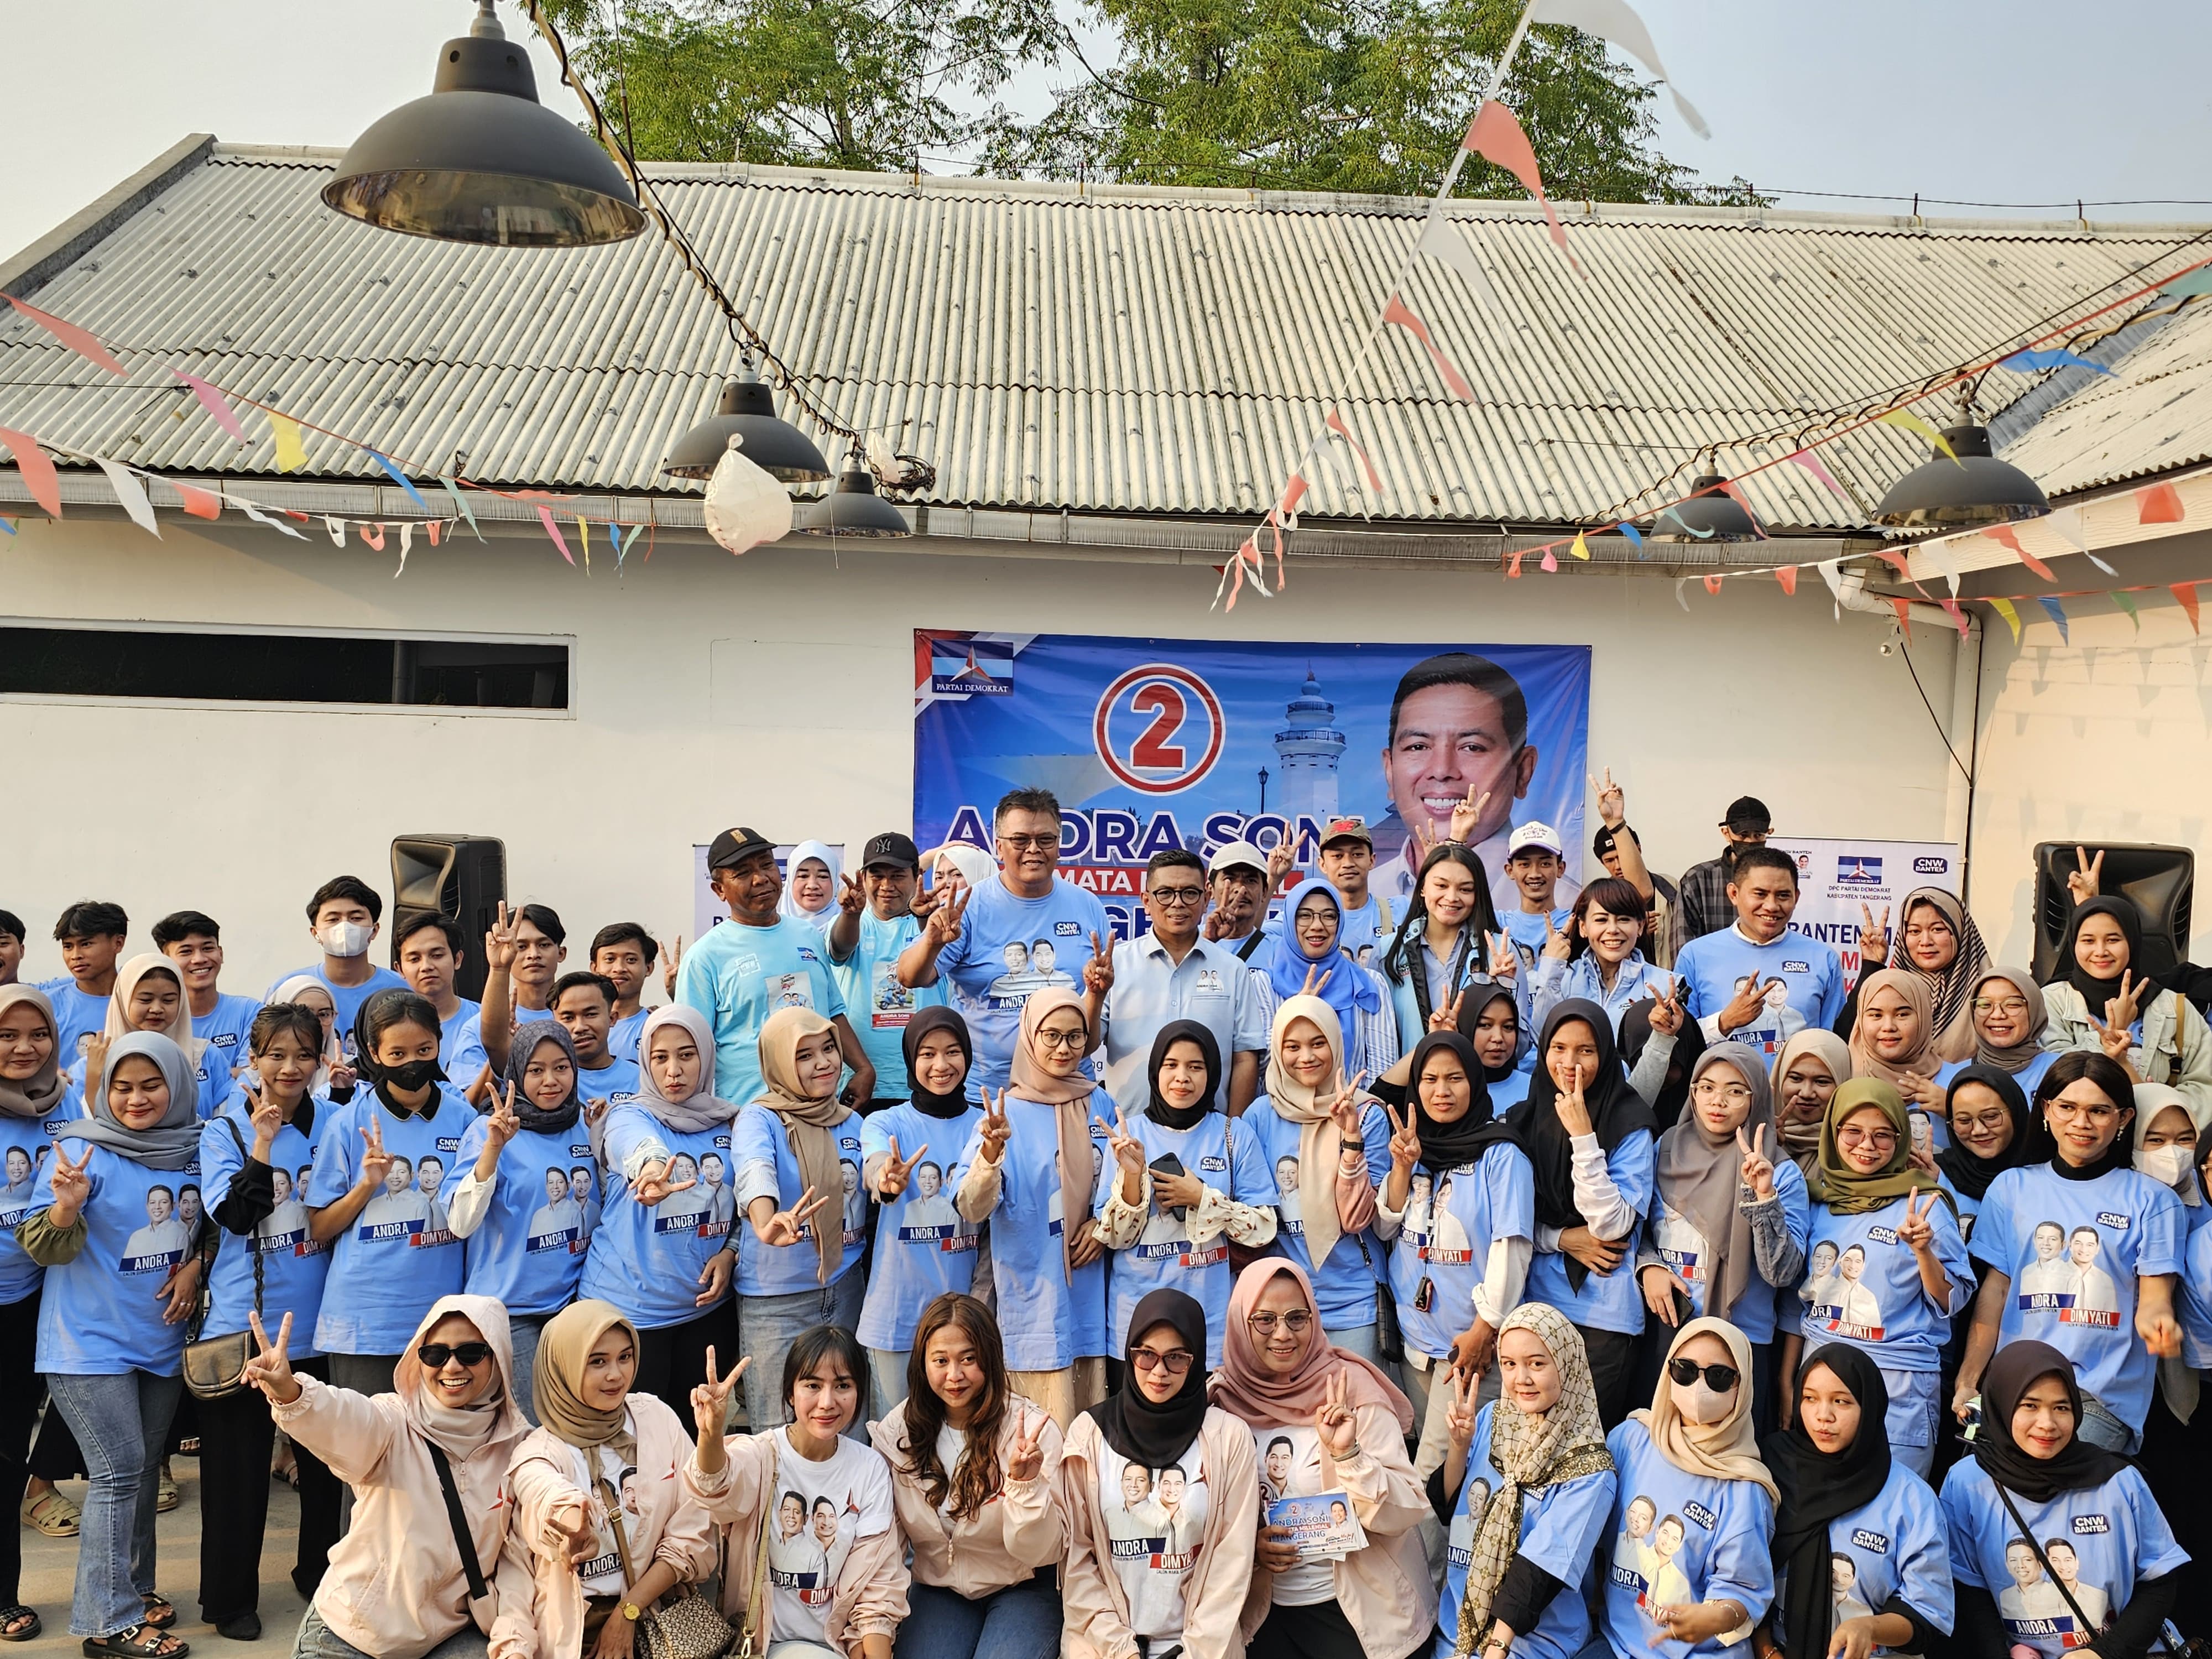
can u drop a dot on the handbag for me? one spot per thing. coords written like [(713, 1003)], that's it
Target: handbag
[(214, 1366), (1389, 1336), (683, 1624)]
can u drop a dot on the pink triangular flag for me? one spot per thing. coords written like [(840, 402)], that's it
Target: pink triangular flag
[(1904, 608), (1902, 565), (1374, 479), (2160, 503), (39, 475), (70, 336), (1734, 491), (1712, 584), (199, 502), (1396, 312), (435, 525), (1957, 615), (1496, 136), (1514, 570), (545, 518), (213, 402), (1551, 562), (2005, 536), (1787, 575), (1811, 463), (373, 534), (2185, 592)]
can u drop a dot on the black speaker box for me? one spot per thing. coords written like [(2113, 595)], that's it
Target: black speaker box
[(2158, 881), (464, 877)]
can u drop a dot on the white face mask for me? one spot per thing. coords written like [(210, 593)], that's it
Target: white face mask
[(344, 939), (2168, 1165), (1700, 1405)]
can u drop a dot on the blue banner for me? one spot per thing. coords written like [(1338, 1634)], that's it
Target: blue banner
[(1158, 743)]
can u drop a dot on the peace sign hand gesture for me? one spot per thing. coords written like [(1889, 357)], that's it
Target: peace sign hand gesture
[(266, 1118), (1099, 972), (503, 942), (1314, 987), (1334, 1425), (1344, 1112), (1405, 1141), (1281, 861), (71, 1186), (1916, 1230), (994, 1129), (1874, 936), (1573, 1109), (270, 1370), (788, 1226), (2121, 1011), (1128, 1151), (710, 1400), (2086, 880), (891, 1179), (1667, 1011), (1025, 1459), (1758, 1168), (1459, 1416), (1612, 803), (1446, 1019), (1467, 814), (675, 955), (1558, 946), (944, 924), (1505, 955), (502, 1124), (656, 1188), (850, 899), (376, 1162)]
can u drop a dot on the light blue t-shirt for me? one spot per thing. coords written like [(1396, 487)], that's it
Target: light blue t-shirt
[(877, 1004), (1862, 1286), (1451, 1220), (1228, 1158), (1689, 1253), (646, 1260), (398, 1256), (1561, 1525), (294, 1267), (924, 1247), (2028, 1077), (225, 1029), (100, 1314), (461, 1050), (528, 1251), (1895, 1546), (1607, 1302), (624, 1035), (616, 1081), (1526, 929), (77, 1015), (467, 1017), (1344, 1285), (767, 1167), (347, 1000), (2193, 1306), (2115, 1534), (1009, 947), (1811, 973), (1679, 1538), (23, 1149), (2074, 1250), (737, 976)]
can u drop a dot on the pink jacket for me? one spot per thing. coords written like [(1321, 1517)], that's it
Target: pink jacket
[(1095, 1611), (1018, 1532), (870, 1599), (671, 1526), (1384, 1589)]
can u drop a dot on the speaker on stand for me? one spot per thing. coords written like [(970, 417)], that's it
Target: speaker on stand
[(464, 877), (2158, 881)]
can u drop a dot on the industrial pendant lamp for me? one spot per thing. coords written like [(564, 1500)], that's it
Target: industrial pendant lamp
[(1710, 515), (853, 507), (481, 159), (1976, 489), (773, 445)]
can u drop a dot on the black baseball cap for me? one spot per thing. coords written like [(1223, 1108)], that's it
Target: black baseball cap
[(891, 848), (734, 847), (1747, 814)]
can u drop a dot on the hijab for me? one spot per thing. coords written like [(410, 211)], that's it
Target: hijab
[(2017, 1367), (39, 1094), (333, 1049), (1725, 1451), (557, 1385), (788, 907), (1245, 1386), (1069, 1098), (1321, 1143), (2151, 1099), (1480, 994), (171, 1144), (1971, 1175), (808, 1121), (1950, 990), (1843, 1189), (1186, 1117), (117, 1023), (925, 1021), (2096, 992), (1351, 989), (494, 1423), (2015, 1058), (1801, 1136), (1531, 1451), (521, 1049), (1920, 1057), (1616, 1112), (1699, 1173), (973, 863), (1156, 1434), (1636, 1034), (698, 1111), (1818, 1488), (1453, 1145)]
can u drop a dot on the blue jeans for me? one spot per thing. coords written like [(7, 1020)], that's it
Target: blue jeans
[(315, 1641), (120, 1423), (524, 1329), (1022, 1621), (768, 1325)]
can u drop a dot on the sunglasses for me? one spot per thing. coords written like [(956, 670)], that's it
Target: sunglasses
[(436, 1354), (1719, 1378)]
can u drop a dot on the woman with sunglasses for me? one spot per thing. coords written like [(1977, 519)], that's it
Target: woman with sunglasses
[(1162, 1495), (1698, 1577), (400, 1584)]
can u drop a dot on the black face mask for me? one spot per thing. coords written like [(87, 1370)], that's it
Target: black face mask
[(414, 1074)]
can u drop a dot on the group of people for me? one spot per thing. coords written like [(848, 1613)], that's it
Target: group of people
[(1283, 1277)]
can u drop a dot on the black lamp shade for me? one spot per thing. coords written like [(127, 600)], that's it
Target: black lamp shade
[(853, 508), (1976, 489), (777, 448), (1721, 514), (481, 160)]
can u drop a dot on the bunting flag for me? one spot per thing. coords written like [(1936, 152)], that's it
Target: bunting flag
[(406, 544), (1513, 570), (402, 480), (615, 535), (1447, 247), (1712, 584), (1897, 561), (584, 529), (1958, 615), (1787, 575), (2189, 283), (1904, 608), (132, 493), (8, 525), (2129, 605), (2073, 529), (39, 475), (2056, 612), (545, 518), (1683, 524), (291, 454), (1831, 572), (1551, 562), (1396, 312), (1912, 422), (1811, 463), (1681, 598), (1947, 561), (2027, 362), (1635, 536), (1335, 424), (2005, 536), (2185, 594), (2004, 608), (337, 527), (1283, 516), (460, 501), (70, 335), (435, 526), (197, 502), (2160, 503), (1735, 492), (259, 517), (213, 402), (1613, 21), (1581, 549), (373, 534), (1496, 136)]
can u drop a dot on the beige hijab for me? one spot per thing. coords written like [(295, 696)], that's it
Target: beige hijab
[(1922, 1057), (495, 1422), (563, 1347), (808, 1122), (1068, 1097), (1320, 1141), (1725, 1451), (118, 1005)]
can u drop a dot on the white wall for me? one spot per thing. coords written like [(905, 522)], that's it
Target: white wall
[(777, 690)]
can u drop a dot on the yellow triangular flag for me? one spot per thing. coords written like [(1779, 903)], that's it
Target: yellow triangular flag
[(1912, 422), (1581, 549), (291, 457), (584, 524), (2003, 608)]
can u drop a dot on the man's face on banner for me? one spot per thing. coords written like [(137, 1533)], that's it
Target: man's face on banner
[(1452, 739)]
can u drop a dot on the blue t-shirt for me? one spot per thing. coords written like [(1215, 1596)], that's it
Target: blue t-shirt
[(623, 1035), (2074, 1250), (2028, 1077), (1679, 1538), (461, 1047), (1560, 1527), (1451, 1222), (616, 1081), (77, 1015), (738, 975), (1895, 1546), (1009, 947), (100, 1314), (1811, 973), (924, 1248), (24, 1142), (2114, 1534), (528, 1251), (646, 1260), (1344, 1285), (767, 1167), (398, 1256), (225, 1029), (1689, 1253), (1054, 1320), (1863, 1285), (877, 1004), (347, 1000), (292, 1265), (467, 1017), (1526, 929), (2193, 1306), (1227, 1157), (1607, 1302)]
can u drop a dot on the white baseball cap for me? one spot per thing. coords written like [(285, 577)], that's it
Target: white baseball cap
[(1232, 853), (1535, 835)]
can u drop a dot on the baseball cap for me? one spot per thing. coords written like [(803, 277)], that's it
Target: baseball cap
[(735, 846), (1230, 854), (891, 848), (1602, 842), (1345, 829), (1748, 813), (1535, 835)]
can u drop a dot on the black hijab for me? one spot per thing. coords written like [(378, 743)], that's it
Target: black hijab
[(1681, 1065), (1477, 998), (1453, 1145), (1969, 1174), (1156, 1435), (1616, 1112), (1820, 1487), (2097, 992), (2081, 1466), (1185, 1117), (925, 1021)]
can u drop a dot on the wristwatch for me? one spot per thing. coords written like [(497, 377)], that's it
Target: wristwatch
[(631, 1611)]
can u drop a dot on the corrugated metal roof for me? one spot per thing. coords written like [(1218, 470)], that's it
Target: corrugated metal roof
[(1051, 346)]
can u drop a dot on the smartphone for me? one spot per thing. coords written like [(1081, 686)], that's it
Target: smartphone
[(1424, 1296), (1684, 1312), (1167, 1164)]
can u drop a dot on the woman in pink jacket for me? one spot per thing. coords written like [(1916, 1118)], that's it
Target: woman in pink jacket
[(1162, 1500), (975, 1472)]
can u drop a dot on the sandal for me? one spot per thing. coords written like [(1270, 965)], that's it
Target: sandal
[(139, 1642), (160, 1614), (10, 1618), (51, 1513), (166, 1496)]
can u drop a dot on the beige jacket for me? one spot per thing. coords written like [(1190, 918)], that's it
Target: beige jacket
[(1096, 1613), (1384, 1589), (870, 1599), (1018, 1532), (672, 1526)]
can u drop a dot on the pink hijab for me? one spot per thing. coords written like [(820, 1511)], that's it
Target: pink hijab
[(1246, 1388)]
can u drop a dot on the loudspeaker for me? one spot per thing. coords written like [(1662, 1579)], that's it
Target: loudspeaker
[(464, 877), (2159, 881)]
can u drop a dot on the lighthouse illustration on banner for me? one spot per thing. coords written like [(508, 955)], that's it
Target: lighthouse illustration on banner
[(1309, 747)]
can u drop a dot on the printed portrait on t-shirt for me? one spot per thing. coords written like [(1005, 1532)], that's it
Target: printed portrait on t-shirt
[(1014, 985), (2049, 1275), (398, 1205), (856, 1207), (1176, 1497), (1138, 1518), (691, 1209), (1044, 965), (285, 1227), (22, 1176), (430, 1181), (836, 1545), (2096, 1297), (1844, 1576), (714, 1182), (161, 1243), (188, 1207), (1290, 1207), (890, 1005), (1924, 1131), (585, 1192), (1851, 1308), (555, 1223), (2066, 1566), (1820, 1274), (1448, 1245), (795, 1560), (1679, 1244), (1670, 1585), (2032, 1599), (1420, 1200), (1634, 1560), (1465, 1519)]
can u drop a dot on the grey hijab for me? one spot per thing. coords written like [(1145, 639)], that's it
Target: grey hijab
[(36, 1095), (171, 1144)]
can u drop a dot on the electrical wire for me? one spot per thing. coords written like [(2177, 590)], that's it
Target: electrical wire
[(1903, 651)]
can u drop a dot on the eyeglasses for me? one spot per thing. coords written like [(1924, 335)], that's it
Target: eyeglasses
[(1735, 1093), (1033, 843), (2009, 1006), (1719, 1378), (1996, 1118), (1061, 1039), (1854, 1137), (1177, 1361), (436, 1354), (2101, 1110), (1263, 1324), (1177, 894)]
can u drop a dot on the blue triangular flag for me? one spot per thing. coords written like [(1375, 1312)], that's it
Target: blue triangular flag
[(2057, 614), (2023, 362), (1634, 535), (1688, 529), (401, 479)]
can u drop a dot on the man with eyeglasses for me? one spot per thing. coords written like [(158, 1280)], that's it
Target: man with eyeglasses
[(1169, 974), (966, 937)]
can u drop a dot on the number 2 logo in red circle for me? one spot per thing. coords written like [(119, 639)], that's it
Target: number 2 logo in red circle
[(1158, 728)]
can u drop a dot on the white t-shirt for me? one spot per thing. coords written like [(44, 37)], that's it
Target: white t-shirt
[(1290, 1467), (952, 1447), (602, 1574), (1154, 1519), (821, 1509)]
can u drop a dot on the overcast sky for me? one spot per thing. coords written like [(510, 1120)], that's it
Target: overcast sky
[(1995, 101)]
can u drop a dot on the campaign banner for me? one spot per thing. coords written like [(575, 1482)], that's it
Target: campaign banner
[(1152, 743), (1837, 876)]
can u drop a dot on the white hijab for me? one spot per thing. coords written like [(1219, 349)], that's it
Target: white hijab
[(789, 906)]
